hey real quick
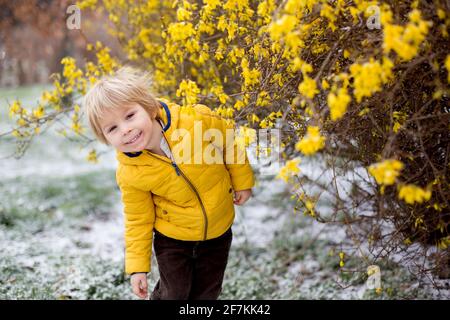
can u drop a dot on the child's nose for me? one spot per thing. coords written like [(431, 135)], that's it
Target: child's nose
[(126, 131)]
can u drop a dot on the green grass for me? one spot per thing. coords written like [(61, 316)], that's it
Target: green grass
[(37, 201)]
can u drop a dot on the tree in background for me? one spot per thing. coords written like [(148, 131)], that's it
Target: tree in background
[(360, 87), (34, 37)]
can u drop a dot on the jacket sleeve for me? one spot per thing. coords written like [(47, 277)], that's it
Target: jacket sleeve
[(139, 216), (234, 154)]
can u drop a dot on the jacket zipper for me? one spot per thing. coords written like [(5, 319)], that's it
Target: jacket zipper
[(179, 172)]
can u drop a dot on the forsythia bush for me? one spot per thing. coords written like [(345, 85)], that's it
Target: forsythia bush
[(351, 84)]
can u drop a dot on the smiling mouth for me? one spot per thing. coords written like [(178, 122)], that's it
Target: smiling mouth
[(134, 139)]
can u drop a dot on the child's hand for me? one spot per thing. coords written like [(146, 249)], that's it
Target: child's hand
[(139, 284), (240, 197)]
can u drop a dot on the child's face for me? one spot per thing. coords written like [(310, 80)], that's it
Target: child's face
[(130, 128)]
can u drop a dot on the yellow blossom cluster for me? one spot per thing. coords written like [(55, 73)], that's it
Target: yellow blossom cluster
[(92, 156), (308, 87), (251, 76), (447, 65), (386, 172), (188, 90), (341, 259), (289, 170), (413, 194), (370, 76), (338, 103), (312, 142), (405, 41)]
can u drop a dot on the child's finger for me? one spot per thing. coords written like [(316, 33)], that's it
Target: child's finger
[(143, 294), (144, 284), (144, 287), (136, 290)]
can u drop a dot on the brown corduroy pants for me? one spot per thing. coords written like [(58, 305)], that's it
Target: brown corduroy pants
[(190, 270)]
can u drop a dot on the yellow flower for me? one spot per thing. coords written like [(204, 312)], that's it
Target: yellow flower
[(251, 76), (447, 65), (254, 118), (76, 127), (189, 90), (310, 208), (16, 134), (106, 61), (38, 112), (338, 103), (411, 194), (312, 142), (308, 87), (306, 68), (370, 76), (282, 26), (21, 122), (92, 156), (239, 105), (15, 108), (266, 123), (183, 14), (86, 4), (346, 54), (265, 9), (289, 170), (70, 71), (386, 172), (331, 14), (293, 6), (399, 120), (180, 31), (405, 41), (235, 53), (443, 243), (263, 99)]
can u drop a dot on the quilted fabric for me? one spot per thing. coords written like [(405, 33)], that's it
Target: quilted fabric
[(185, 201)]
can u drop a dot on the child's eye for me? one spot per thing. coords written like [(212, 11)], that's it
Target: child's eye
[(112, 128), (130, 115)]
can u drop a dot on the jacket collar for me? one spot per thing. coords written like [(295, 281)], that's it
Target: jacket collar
[(167, 120)]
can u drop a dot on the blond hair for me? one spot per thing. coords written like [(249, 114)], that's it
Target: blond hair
[(128, 85)]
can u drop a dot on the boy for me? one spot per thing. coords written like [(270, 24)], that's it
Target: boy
[(182, 191)]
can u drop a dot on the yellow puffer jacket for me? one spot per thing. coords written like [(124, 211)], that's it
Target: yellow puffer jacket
[(182, 201)]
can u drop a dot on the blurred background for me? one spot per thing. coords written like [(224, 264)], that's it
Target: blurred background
[(34, 37)]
